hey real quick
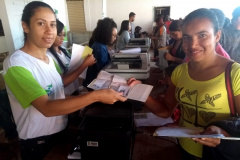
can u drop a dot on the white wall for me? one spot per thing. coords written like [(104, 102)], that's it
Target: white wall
[(61, 6), (144, 9), (93, 12), (3, 45), (11, 12)]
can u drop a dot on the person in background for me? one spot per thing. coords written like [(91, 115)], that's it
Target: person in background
[(230, 38), (35, 88), (221, 20), (138, 33), (159, 35), (132, 16), (123, 35), (167, 21), (176, 54), (226, 23), (103, 35), (200, 89), (62, 60)]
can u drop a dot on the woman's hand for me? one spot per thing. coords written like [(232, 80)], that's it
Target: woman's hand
[(109, 96), (89, 60), (211, 142), (168, 57), (132, 82)]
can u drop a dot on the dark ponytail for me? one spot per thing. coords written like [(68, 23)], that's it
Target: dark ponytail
[(55, 54)]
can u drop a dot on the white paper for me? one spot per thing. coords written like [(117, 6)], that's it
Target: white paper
[(150, 119), (105, 75), (131, 50), (75, 62), (76, 58), (139, 92), (184, 132), (119, 79)]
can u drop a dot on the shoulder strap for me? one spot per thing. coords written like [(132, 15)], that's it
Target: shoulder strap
[(228, 82)]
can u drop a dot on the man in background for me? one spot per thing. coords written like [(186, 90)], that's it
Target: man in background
[(131, 20), (230, 39)]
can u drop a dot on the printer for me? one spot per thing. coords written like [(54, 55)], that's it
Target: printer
[(129, 65), (143, 43)]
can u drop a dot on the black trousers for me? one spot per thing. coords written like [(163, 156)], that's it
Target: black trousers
[(38, 148), (187, 156), (226, 150)]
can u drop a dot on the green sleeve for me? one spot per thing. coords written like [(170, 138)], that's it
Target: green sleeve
[(23, 85)]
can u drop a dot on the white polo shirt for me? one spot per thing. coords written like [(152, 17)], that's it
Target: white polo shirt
[(28, 78), (66, 61)]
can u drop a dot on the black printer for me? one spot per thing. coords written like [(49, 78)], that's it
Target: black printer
[(106, 132)]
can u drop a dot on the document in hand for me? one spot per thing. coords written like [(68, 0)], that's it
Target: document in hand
[(79, 53), (184, 132), (139, 92)]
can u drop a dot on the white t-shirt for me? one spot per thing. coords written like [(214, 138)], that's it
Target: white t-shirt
[(28, 78), (66, 61)]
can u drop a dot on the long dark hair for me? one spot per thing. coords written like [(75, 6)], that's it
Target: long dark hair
[(203, 13), (103, 32), (60, 27), (29, 11), (124, 26), (176, 25)]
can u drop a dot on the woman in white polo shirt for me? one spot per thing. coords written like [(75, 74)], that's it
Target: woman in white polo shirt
[(35, 88), (62, 60)]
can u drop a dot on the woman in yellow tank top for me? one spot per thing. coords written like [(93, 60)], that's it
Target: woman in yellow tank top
[(199, 87)]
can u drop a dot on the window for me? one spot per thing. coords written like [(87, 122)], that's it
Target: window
[(76, 15), (161, 10), (1, 29)]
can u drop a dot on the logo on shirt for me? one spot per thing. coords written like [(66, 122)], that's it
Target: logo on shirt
[(210, 100), (188, 94), (49, 89)]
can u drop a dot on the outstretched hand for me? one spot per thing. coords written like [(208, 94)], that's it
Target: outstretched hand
[(211, 142), (132, 82), (109, 96)]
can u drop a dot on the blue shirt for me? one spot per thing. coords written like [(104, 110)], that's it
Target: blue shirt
[(102, 56)]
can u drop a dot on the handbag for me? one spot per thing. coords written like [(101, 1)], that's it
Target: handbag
[(227, 149), (228, 82)]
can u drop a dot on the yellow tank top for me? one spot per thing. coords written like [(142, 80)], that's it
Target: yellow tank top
[(202, 102)]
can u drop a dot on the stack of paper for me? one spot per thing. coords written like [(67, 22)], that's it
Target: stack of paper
[(131, 50)]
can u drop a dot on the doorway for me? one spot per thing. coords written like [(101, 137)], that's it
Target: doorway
[(161, 10)]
